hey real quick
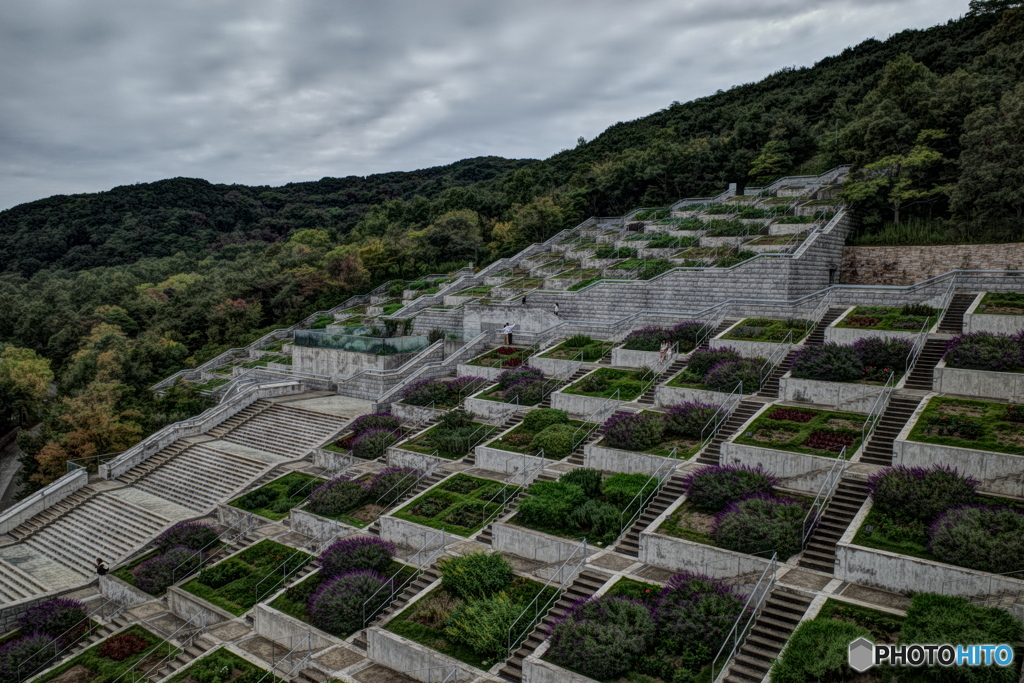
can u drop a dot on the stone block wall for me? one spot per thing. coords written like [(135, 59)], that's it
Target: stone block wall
[(909, 265)]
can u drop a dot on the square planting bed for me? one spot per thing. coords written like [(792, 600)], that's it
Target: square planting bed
[(602, 455), (237, 583), (760, 337), (799, 445), (461, 505), (445, 626), (592, 391), (996, 312), (506, 453), (981, 439), (448, 442), (221, 666), (1006, 386), (275, 499), (495, 361), (881, 321), (114, 657)]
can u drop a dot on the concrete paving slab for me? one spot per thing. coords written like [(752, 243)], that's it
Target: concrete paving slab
[(340, 406), (613, 561), (339, 658), (375, 673), (654, 574), (245, 451), (46, 571), (147, 501), (805, 579), (876, 597), (230, 631)]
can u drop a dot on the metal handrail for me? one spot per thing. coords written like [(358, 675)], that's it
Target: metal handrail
[(370, 612), (877, 408), (726, 409), (662, 474), (824, 495), (514, 635), (135, 677), (751, 608)]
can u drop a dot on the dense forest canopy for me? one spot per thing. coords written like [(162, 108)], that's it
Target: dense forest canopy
[(103, 294)]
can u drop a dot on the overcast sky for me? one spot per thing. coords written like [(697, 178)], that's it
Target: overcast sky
[(99, 93)]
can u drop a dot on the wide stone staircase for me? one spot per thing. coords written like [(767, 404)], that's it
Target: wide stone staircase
[(847, 500), (779, 616), (587, 583), (280, 429), (878, 450), (16, 584), (198, 477), (712, 452), (104, 526)]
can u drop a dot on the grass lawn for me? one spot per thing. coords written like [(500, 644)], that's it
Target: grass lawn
[(275, 499), (448, 443), (461, 505), (1000, 303), (979, 425), (210, 667), (595, 351), (884, 627), (769, 330), (801, 430), (887, 318), (520, 439), (418, 622), (241, 581), (95, 668), (293, 601), (604, 382)]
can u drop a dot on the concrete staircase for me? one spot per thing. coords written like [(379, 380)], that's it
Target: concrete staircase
[(817, 335), (878, 450), (103, 526), (712, 452), (921, 377), (770, 388), (953, 319), (191, 649), (427, 577), (847, 500), (647, 398), (16, 584), (779, 616), (199, 477), (722, 327), (486, 535), (47, 516), (670, 493), (587, 583), (282, 429)]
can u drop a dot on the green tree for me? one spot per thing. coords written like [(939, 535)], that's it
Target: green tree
[(25, 379), (991, 184), (773, 161), (453, 236), (899, 180)]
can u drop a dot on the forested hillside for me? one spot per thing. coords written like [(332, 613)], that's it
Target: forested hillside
[(106, 293)]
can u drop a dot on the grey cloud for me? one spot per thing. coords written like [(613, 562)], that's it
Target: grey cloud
[(98, 93)]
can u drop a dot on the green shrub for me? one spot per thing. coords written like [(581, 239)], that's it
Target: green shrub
[(586, 478), (255, 500), (483, 625), (615, 633), (556, 440), (933, 618), (761, 524), (601, 520), (538, 420), (817, 651), (578, 341), (621, 489), (476, 576), (981, 538), (592, 352), (549, 503), (396, 289)]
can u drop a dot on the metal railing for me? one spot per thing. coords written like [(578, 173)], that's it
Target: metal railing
[(422, 558), (535, 610), (195, 625), (824, 495), (198, 558), (305, 644), (877, 408), (751, 609), (643, 497), (91, 463), (711, 427)]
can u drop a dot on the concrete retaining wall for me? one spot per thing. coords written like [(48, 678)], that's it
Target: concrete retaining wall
[(184, 605), (624, 358), (312, 525), (399, 457), (845, 396), (410, 414), (904, 574), (665, 396), (747, 349), (797, 471), (618, 460), (553, 366), (1003, 324), (485, 409), (410, 534), (43, 499), (539, 671), (467, 370), (680, 555), (279, 627), (497, 460), (1005, 386), (415, 660), (577, 405), (341, 364), (533, 545)]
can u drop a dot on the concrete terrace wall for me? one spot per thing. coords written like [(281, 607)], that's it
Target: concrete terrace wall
[(907, 265)]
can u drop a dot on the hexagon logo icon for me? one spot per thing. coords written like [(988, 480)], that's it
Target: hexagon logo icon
[(862, 655)]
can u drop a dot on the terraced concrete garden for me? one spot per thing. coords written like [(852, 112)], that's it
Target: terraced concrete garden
[(686, 334), (525, 386), (639, 631), (452, 437), (867, 361), (738, 508), (242, 580), (677, 432), (802, 430), (909, 318), (179, 552), (461, 504), (547, 430), (1001, 303), (937, 514), (439, 393), (769, 330), (358, 577), (817, 650), (481, 611), (721, 369), (45, 631), (135, 648), (275, 499), (503, 357), (585, 503), (579, 347), (369, 436), (222, 666), (979, 425), (357, 502), (625, 385)]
